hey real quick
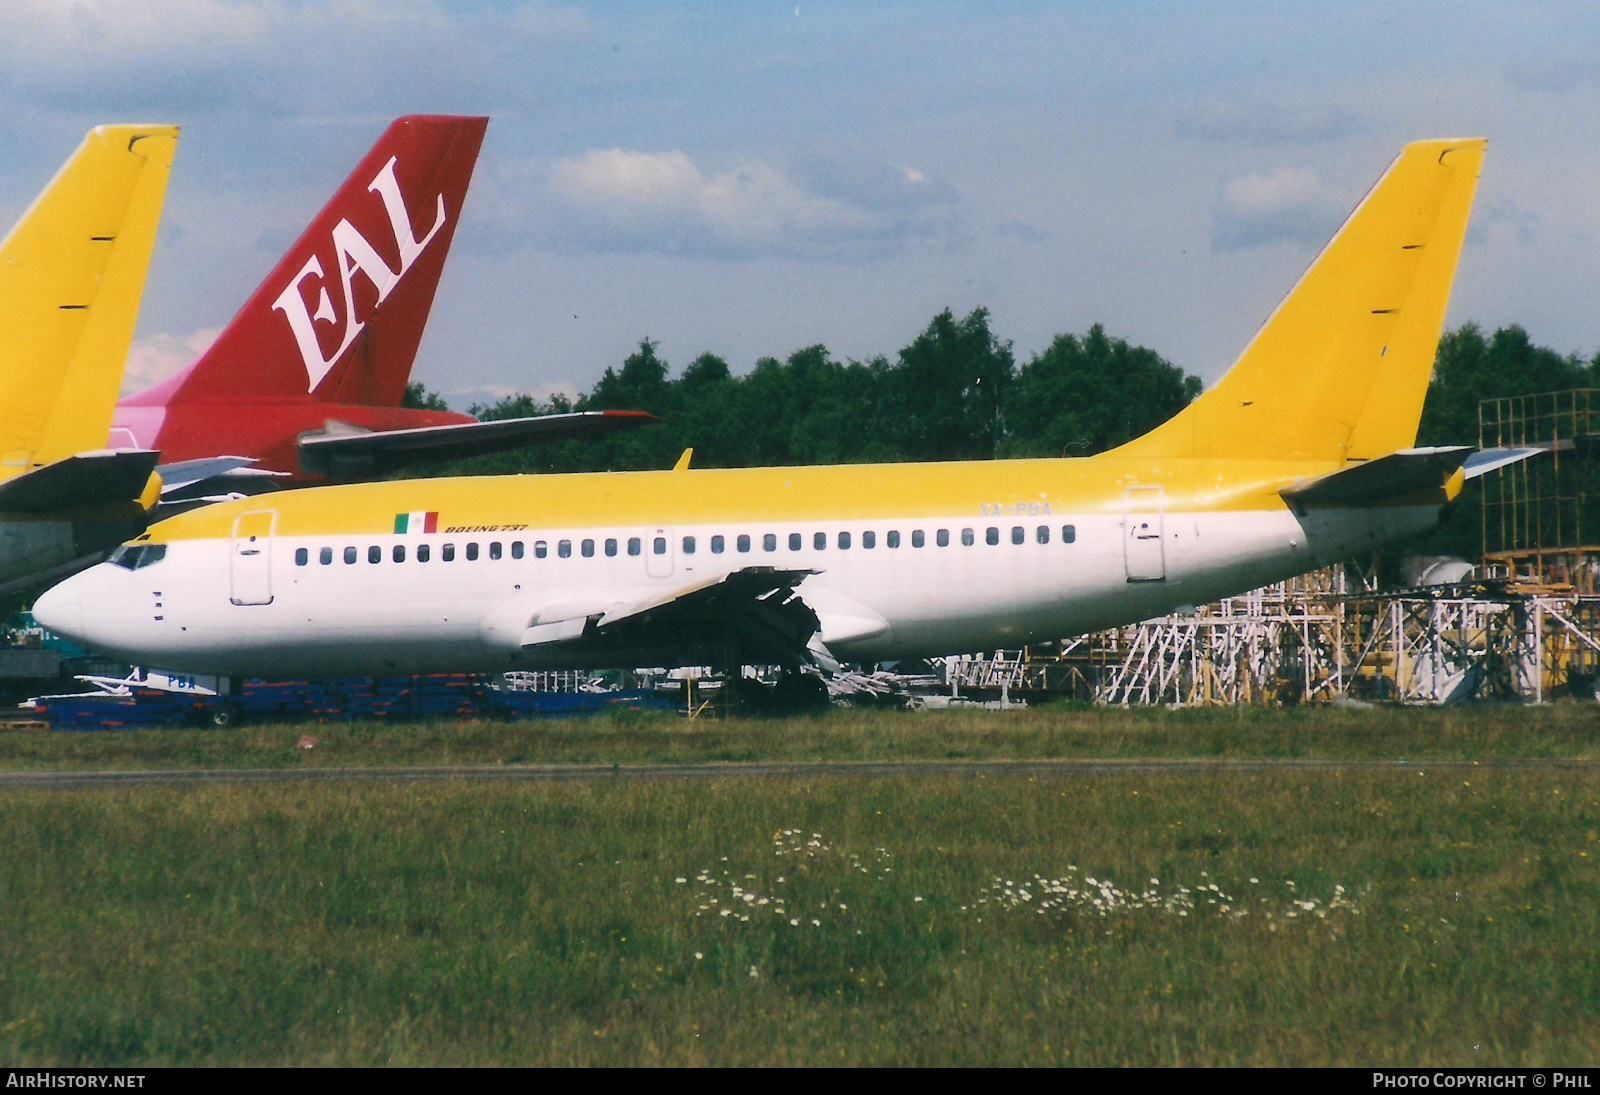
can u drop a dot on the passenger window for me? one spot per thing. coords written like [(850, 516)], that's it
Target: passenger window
[(374, 554), (844, 541), (587, 547), (743, 542), (611, 548), (660, 545), (795, 540), (399, 553), (917, 539), (892, 539), (1042, 534), (820, 541), (301, 557), (325, 556), (472, 552), (688, 545), (540, 549), (349, 555), (769, 542), (717, 544), (516, 549), (564, 548), (447, 553), (942, 537), (422, 553), (1018, 534), (968, 538), (991, 536), (869, 539), (1068, 534), (494, 550)]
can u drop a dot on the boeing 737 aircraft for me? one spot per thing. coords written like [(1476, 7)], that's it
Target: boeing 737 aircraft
[(305, 384), (1300, 456), (72, 272)]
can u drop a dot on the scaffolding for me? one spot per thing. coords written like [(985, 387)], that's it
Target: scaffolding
[(1541, 517), (1311, 641), (559, 680)]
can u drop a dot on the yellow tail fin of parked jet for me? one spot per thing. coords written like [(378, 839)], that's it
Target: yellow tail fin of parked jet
[(72, 272), (1340, 369)]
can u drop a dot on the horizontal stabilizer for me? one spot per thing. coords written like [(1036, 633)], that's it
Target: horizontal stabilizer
[(345, 454), (1387, 478), (214, 477), (755, 611), (85, 480), (1487, 460), (186, 473)]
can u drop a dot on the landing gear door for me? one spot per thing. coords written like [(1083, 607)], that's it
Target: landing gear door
[(1143, 542), (252, 557), (658, 553)]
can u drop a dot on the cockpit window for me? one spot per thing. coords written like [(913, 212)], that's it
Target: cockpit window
[(138, 556)]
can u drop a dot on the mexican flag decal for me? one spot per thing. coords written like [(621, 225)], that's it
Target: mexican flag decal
[(415, 522)]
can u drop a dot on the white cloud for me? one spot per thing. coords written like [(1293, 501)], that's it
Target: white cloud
[(154, 358), (1290, 205), (624, 200)]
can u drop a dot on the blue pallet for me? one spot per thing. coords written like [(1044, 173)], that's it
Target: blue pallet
[(332, 699)]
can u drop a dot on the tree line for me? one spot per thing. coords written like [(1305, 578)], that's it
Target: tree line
[(955, 392)]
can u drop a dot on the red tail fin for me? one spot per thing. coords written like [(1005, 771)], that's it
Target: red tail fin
[(340, 317)]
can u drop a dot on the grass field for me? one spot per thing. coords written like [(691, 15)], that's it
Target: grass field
[(1473, 733), (456, 923)]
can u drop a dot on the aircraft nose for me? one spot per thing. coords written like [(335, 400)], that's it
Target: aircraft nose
[(60, 609)]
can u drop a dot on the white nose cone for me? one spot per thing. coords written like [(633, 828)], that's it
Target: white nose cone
[(60, 609)]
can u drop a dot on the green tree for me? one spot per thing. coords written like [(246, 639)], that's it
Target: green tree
[(953, 393), (519, 406), (1469, 368), (948, 391), (419, 398), (1083, 396), (640, 385)]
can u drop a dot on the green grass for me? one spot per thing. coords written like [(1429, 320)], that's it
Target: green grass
[(454, 923), (1480, 732)]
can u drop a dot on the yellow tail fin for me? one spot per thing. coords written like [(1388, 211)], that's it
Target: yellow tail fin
[(71, 275), (1340, 369)]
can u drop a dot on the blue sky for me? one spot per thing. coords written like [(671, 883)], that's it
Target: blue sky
[(752, 178)]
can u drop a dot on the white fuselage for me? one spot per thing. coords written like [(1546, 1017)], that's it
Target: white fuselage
[(302, 616)]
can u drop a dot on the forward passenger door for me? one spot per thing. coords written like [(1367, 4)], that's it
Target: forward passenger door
[(251, 579)]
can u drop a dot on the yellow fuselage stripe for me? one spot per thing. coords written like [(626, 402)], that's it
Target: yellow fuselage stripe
[(833, 492)]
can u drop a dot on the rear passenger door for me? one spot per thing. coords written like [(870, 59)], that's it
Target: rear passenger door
[(1144, 547)]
